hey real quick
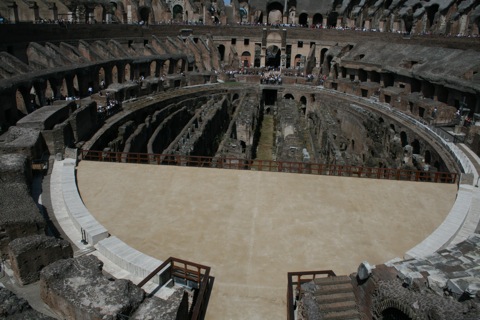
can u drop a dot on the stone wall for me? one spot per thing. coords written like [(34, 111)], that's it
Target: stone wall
[(29, 255)]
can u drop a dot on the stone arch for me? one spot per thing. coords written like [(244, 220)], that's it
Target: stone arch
[(144, 14), (63, 89), (303, 19), (50, 92), (288, 96), (297, 60), (177, 13), (431, 11), (235, 97), (153, 68), (416, 146), (303, 100), (403, 138), (101, 77), (258, 16), (272, 58), (21, 102), (246, 59), (180, 65), (127, 72), (115, 76), (166, 67), (275, 13), (332, 19), (317, 19), (221, 51), (322, 55), (75, 91), (428, 156), (99, 13), (392, 309)]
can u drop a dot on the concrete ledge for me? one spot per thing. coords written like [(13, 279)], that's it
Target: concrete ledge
[(81, 217), (449, 228), (128, 258)]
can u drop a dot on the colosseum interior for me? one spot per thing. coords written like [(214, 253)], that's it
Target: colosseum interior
[(252, 159)]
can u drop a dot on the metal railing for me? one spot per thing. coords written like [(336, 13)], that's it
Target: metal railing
[(190, 274), (271, 166), (295, 281)]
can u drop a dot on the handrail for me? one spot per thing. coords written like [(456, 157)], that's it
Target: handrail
[(312, 275), (271, 166), (201, 276)]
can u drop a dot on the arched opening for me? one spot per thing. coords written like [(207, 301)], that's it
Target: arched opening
[(244, 146), (21, 104), (431, 11), (221, 51), (143, 13), (275, 13), (98, 13), (416, 146), (75, 87), (303, 19), (303, 100), (114, 74), (403, 138), (428, 156), (101, 78), (375, 76), (332, 19), (235, 97), (49, 93), (298, 60), (166, 67), (246, 59), (63, 89), (288, 96), (428, 89), (177, 13), (258, 16), (362, 75), (153, 69), (127, 75), (272, 57), (317, 20), (394, 314)]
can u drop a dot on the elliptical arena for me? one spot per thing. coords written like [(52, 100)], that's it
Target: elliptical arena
[(251, 161)]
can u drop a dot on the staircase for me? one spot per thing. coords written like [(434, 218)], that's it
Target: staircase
[(336, 299)]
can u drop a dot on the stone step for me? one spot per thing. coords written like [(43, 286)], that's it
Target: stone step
[(338, 306), (342, 315), (336, 297), (83, 251), (328, 289), (332, 280)]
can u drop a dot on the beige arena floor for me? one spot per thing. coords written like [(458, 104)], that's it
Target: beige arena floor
[(254, 227)]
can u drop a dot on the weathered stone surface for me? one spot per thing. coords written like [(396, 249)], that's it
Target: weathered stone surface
[(15, 308), (174, 308), (19, 216), (77, 289), (28, 255), (15, 168), (24, 141)]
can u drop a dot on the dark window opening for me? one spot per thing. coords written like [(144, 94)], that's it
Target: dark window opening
[(234, 41), (246, 42)]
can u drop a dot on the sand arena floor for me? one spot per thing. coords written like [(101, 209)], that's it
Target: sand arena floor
[(254, 227)]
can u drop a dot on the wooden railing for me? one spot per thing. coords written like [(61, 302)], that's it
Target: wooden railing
[(272, 166), (190, 274), (295, 281)]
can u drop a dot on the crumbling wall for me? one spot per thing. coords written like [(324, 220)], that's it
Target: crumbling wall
[(29, 255), (13, 308), (77, 289), (19, 216)]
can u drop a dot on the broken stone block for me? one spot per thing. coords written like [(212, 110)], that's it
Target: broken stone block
[(15, 308), (77, 289), (173, 308), (29, 255)]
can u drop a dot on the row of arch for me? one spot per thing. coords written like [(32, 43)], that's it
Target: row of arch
[(41, 91)]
